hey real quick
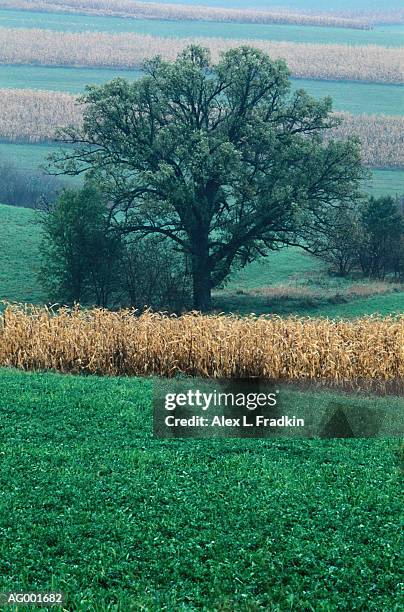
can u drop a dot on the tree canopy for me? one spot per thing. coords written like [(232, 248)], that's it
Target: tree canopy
[(222, 159)]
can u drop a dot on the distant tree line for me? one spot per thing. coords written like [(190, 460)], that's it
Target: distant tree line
[(366, 237), (21, 186)]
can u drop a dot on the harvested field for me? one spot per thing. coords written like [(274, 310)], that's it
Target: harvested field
[(156, 10), (33, 116), (120, 343), (381, 136), (336, 62)]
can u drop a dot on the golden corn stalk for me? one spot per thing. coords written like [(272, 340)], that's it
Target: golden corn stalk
[(125, 343)]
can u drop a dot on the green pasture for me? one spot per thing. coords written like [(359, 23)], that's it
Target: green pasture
[(313, 292), (19, 255), (58, 78), (30, 156), (381, 35), (386, 182), (94, 507), (351, 96), (355, 97)]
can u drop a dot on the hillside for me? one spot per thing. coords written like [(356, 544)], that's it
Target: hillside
[(19, 255), (286, 282)]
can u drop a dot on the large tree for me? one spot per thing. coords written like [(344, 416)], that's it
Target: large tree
[(221, 159)]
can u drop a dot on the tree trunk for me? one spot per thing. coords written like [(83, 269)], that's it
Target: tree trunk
[(201, 279)]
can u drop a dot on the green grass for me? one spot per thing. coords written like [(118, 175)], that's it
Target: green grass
[(350, 96), (96, 508), (356, 97), (386, 182), (29, 156), (279, 267), (183, 29), (59, 78), (19, 255), (311, 291), (20, 262), (384, 305)]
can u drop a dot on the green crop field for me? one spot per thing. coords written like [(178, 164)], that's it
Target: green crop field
[(96, 508), (351, 96), (381, 35)]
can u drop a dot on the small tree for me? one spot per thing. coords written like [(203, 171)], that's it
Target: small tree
[(335, 239), (221, 159), (380, 249), (81, 253)]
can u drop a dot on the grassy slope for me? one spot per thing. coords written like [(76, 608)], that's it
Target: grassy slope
[(94, 507), (20, 260), (19, 255), (294, 268), (185, 29)]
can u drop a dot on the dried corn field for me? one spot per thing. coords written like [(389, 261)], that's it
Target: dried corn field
[(121, 343), (34, 116), (372, 16), (156, 10), (319, 61), (381, 136)]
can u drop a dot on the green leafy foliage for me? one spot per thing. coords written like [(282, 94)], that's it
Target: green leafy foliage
[(219, 158), (93, 506), (81, 251)]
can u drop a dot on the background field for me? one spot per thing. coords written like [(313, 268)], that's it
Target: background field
[(350, 96), (108, 515), (302, 5), (381, 35), (289, 265)]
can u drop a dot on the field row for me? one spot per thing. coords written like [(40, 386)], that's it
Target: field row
[(102, 49), (385, 35), (120, 343), (33, 116), (143, 10), (381, 137), (350, 96)]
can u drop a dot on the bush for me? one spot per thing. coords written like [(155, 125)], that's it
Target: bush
[(367, 238), (81, 252), (380, 250), (156, 275)]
